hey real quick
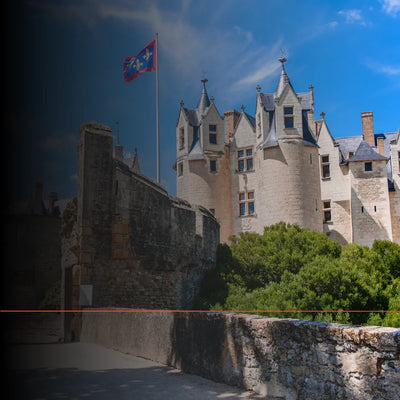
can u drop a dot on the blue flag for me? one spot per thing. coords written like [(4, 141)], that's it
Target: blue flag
[(145, 61)]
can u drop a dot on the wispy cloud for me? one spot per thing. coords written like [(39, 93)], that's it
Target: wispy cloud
[(391, 7), (353, 16), (225, 54), (383, 69)]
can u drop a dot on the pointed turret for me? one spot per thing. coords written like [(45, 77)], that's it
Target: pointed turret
[(135, 163), (204, 101), (283, 79)]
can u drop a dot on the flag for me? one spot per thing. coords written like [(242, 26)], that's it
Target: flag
[(145, 61)]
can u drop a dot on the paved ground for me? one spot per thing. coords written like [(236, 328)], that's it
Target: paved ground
[(88, 371), (41, 368)]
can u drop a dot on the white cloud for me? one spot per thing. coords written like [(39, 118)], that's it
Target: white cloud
[(391, 7), (333, 24), (246, 34), (389, 70), (353, 16), (384, 69), (187, 48)]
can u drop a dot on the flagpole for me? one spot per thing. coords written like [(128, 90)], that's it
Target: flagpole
[(157, 119)]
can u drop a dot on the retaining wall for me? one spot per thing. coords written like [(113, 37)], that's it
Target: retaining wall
[(280, 358)]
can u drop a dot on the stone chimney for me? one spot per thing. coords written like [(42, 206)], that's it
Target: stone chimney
[(119, 152), (380, 146), (231, 119), (367, 122)]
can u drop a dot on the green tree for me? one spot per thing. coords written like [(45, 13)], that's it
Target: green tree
[(289, 268)]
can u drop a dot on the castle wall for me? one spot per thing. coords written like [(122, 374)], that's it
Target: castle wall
[(278, 358), (135, 245), (243, 182), (335, 189), (370, 207), (394, 196), (282, 192)]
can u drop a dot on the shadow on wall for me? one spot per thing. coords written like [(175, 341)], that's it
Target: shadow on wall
[(262, 354)]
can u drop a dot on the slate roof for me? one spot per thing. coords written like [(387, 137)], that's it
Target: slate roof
[(194, 116), (347, 145), (252, 120), (267, 99), (365, 152), (272, 139), (268, 102), (353, 144), (204, 101)]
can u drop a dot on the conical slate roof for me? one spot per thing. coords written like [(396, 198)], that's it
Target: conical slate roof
[(204, 101), (283, 79)]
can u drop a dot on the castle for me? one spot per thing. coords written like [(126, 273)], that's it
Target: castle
[(283, 165)]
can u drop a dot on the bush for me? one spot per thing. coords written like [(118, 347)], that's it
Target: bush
[(289, 268)]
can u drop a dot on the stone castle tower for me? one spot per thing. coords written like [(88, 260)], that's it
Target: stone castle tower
[(257, 171)]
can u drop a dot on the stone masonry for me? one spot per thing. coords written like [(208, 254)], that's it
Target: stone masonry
[(278, 358), (126, 242)]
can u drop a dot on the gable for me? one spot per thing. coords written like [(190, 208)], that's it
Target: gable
[(244, 134)]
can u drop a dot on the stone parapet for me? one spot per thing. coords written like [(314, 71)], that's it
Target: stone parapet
[(279, 358)]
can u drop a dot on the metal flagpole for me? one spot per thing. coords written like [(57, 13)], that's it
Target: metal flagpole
[(157, 119)]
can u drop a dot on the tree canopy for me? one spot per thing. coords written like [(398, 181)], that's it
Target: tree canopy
[(290, 268)]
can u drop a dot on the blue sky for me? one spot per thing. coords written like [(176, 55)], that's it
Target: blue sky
[(64, 67)]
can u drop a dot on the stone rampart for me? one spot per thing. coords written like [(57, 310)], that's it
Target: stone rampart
[(279, 358), (126, 242)]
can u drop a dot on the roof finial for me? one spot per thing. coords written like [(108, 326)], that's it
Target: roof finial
[(322, 115), (258, 88), (242, 108), (204, 80), (282, 58), (182, 103)]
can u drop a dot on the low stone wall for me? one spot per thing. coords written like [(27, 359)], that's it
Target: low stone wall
[(279, 358)]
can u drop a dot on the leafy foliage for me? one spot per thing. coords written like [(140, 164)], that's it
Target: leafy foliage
[(289, 268), (52, 298)]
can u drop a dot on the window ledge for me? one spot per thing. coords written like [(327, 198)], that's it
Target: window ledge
[(245, 172), (248, 216), (328, 178)]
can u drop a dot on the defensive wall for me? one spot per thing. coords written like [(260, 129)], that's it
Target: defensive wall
[(126, 242), (279, 358)]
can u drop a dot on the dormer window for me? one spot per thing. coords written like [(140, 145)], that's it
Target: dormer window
[(288, 115), (181, 138), (212, 132)]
